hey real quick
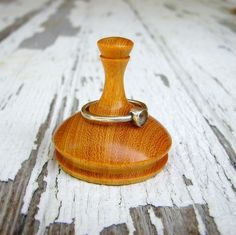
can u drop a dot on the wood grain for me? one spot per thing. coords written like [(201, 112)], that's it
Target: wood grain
[(113, 154), (46, 76)]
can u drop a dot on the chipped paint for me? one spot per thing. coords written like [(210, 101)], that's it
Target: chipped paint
[(164, 79), (170, 6), (57, 25), (187, 181), (196, 189), (115, 229), (229, 24)]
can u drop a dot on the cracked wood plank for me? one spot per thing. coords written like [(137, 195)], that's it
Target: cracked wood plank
[(195, 194)]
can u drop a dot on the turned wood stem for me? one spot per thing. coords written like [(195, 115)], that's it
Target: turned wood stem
[(113, 95), (114, 56)]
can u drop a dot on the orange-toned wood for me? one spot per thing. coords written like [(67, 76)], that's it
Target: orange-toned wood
[(114, 56), (113, 154)]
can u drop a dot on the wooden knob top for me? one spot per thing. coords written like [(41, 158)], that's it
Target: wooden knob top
[(115, 47)]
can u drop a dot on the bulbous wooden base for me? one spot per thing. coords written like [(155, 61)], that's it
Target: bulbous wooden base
[(114, 154), (133, 175)]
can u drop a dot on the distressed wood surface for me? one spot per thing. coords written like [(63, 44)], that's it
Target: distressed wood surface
[(183, 66)]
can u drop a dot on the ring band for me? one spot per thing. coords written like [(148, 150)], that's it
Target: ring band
[(138, 115)]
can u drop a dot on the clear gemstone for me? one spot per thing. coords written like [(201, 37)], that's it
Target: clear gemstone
[(139, 116)]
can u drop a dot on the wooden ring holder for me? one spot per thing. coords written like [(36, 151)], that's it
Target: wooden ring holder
[(113, 154)]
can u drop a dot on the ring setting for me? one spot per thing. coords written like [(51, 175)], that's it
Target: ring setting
[(138, 115)]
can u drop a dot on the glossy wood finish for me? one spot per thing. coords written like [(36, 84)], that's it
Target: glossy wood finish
[(114, 56), (113, 154), (49, 69)]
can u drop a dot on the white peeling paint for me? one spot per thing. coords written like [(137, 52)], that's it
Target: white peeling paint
[(156, 222), (12, 11), (196, 151)]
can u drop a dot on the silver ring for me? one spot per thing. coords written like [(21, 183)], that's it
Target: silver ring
[(138, 115)]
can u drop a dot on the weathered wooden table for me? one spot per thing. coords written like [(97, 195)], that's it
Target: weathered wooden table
[(183, 66)]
